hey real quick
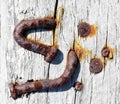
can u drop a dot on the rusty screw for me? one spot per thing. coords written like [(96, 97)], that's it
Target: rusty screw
[(105, 52), (78, 86), (84, 29), (96, 65)]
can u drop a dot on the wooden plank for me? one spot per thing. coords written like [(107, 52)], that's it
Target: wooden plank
[(21, 65)]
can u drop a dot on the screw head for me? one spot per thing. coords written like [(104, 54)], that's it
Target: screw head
[(78, 86), (96, 65), (84, 29), (105, 52)]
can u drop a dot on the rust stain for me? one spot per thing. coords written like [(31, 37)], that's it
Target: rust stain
[(49, 16), (80, 51), (93, 31), (59, 16), (37, 41), (55, 43), (34, 39)]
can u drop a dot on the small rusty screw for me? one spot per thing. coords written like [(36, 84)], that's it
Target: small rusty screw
[(105, 52), (78, 86), (96, 65), (84, 29)]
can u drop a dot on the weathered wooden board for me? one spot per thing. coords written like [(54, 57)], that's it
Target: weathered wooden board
[(18, 64)]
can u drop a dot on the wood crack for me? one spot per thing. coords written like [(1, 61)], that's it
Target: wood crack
[(75, 97), (91, 90), (55, 10), (106, 43)]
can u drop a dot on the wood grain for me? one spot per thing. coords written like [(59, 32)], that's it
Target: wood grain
[(18, 64)]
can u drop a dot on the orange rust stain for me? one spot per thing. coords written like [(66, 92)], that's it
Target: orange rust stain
[(37, 41), (57, 23), (81, 52), (55, 43), (93, 31), (59, 16), (49, 16)]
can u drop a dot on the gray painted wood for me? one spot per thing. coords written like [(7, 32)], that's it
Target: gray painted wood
[(16, 62)]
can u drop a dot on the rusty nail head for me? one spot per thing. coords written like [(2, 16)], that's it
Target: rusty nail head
[(84, 29), (105, 52), (78, 86), (96, 65)]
